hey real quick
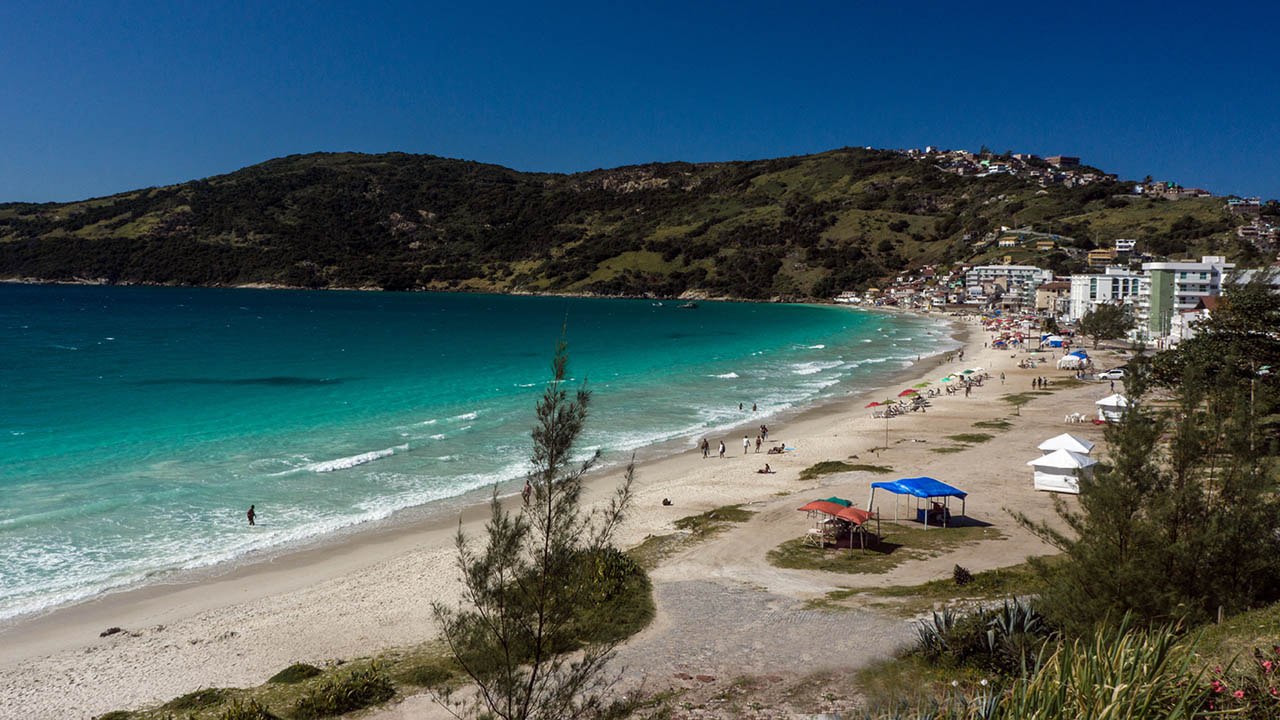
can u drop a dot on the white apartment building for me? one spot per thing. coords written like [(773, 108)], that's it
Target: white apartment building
[(1115, 285), (1020, 280), (1171, 287)]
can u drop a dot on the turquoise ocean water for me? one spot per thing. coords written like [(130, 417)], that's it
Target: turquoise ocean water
[(138, 424)]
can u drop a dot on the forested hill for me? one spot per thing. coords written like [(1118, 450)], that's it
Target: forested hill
[(789, 228)]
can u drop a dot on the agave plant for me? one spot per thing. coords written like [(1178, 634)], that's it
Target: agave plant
[(932, 634)]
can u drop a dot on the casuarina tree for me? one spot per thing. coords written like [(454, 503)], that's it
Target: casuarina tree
[(530, 632)]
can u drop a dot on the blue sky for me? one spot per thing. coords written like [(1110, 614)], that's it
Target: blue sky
[(99, 97)]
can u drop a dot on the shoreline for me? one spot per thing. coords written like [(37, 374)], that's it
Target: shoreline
[(44, 631), (361, 598)]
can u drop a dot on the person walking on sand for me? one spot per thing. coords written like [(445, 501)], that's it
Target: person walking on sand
[(251, 515), (746, 444), (1002, 378), (527, 492), (706, 448), (721, 449), (758, 441), (764, 432)]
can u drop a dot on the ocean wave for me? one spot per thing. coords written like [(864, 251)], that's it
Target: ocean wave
[(817, 347), (354, 460), (726, 376), (432, 421), (439, 436), (810, 368), (466, 416)]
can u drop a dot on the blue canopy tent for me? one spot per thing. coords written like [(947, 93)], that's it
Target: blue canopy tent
[(921, 488)]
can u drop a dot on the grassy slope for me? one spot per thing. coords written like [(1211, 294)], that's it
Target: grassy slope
[(795, 227)]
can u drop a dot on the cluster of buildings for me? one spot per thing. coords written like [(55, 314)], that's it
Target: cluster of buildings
[(1165, 298), (1052, 170)]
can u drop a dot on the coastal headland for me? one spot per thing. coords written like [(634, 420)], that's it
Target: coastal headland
[(372, 591)]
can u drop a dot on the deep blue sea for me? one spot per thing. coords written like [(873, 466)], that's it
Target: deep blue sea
[(138, 424)]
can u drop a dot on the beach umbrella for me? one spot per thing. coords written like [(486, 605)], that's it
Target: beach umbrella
[(967, 372), (874, 404), (908, 391), (923, 384)]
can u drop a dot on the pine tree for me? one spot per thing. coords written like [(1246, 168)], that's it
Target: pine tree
[(529, 635)]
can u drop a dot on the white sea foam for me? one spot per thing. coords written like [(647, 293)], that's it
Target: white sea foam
[(438, 437), (727, 376), (810, 368), (817, 347), (432, 421), (466, 416), (354, 460)]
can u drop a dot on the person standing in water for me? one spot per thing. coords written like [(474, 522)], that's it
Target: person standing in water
[(251, 515)]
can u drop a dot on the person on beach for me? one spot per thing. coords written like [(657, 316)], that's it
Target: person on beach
[(251, 515), (706, 448), (765, 471), (1001, 378), (527, 492), (746, 444), (739, 406), (721, 449), (764, 432), (753, 407), (758, 441)]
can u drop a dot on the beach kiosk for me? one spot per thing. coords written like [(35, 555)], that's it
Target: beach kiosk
[(921, 488), (1112, 407), (1061, 470), (830, 515), (1066, 441)]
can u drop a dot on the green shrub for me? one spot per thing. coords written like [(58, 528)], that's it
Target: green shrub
[(295, 673), (337, 695), (116, 715), (425, 674), (198, 700), (972, 438), (961, 575), (251, 710)]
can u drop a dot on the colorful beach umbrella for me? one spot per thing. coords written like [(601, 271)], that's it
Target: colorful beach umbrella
[(908, 391), (874, 404), (923, 384)]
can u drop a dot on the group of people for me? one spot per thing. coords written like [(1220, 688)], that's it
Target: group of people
[(705, 445), (1039, 383)]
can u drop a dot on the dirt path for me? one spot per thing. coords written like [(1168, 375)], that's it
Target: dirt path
[(725, 631)]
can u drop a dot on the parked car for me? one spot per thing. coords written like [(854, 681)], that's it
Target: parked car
[(1112, 374)]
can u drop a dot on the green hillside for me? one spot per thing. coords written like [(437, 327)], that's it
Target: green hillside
[(792, 228)]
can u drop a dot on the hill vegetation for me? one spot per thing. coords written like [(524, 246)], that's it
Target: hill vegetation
[(786, 228)]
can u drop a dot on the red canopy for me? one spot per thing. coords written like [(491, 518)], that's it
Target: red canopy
[(852, 514), (873, 404), (908, 392), (823, 506)]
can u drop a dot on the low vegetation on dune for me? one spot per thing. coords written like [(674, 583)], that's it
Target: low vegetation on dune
[(838, 466), (897, 544)]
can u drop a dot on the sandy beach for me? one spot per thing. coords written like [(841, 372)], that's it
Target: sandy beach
[(373, 591)]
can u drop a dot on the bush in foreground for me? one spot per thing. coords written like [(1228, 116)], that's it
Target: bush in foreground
[(337, 695), (295, 673), (251, 710)]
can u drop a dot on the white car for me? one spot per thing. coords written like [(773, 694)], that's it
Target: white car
[(1112, 374)]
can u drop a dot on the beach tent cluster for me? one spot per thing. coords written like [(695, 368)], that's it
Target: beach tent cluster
[(1075, 361), (1009, 330), (836, 517), (1064, 461)]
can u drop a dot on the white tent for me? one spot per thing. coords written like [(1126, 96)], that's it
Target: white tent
[(1066, 441), (1061, 470), (1112, 407), (1073, 362)]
